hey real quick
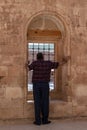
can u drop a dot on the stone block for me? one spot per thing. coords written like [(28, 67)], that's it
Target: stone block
[(14, 92), (11, 113), (29, 109), (3, 71), (80, 111), (11, 103), (2, 92), (60, 109)]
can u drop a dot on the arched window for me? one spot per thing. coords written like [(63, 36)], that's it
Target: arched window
[(45, 35)]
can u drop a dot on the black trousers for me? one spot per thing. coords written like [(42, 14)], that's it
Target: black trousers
[(41, 101)]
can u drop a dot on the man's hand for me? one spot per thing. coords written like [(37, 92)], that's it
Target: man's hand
[(65, 60)]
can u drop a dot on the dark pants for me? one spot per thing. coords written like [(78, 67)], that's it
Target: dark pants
[(41, 101)]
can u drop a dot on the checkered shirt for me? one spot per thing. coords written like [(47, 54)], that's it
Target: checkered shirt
[(42, 70)]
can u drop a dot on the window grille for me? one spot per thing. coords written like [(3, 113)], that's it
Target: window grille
[(48, 51)]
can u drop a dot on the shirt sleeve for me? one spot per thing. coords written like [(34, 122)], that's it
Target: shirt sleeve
[(54, 65)]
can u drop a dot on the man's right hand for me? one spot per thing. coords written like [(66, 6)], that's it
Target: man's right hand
[(65, 60)]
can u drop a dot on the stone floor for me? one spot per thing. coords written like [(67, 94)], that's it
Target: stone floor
[(55, 125)]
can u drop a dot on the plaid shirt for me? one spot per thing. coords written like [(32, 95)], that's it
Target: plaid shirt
[(41, 70)]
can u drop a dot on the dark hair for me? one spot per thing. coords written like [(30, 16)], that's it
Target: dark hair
[(39, 56)]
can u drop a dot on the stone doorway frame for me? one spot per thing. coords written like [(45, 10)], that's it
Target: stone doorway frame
[(65, 40)]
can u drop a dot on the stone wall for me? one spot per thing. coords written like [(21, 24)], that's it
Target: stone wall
[(14, 19)]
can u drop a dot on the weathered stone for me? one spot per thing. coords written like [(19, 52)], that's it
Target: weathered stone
[(13, 93), (71, 19), (2, 92)]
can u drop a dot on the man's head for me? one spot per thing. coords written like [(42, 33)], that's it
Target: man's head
[(40, 56)]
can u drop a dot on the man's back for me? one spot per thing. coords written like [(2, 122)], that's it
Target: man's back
[(42, 69)]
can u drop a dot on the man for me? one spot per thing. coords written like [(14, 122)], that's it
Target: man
[(40, 79)]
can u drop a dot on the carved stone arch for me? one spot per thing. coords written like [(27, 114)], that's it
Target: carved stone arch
[(63, 26)]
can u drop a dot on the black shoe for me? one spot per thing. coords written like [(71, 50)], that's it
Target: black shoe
[(46, 122), (36, 123)]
